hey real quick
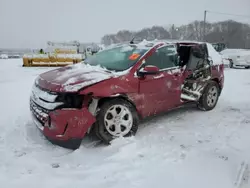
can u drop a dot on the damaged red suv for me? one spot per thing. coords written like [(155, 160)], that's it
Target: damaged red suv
[(111, 91)]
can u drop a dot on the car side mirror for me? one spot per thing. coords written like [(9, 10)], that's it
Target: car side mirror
[(148, 70)]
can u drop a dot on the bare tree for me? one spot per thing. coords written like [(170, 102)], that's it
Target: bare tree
[(233, 33)]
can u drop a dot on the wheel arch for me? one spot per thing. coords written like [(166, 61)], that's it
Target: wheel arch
[(99, 128), (219, 84), (123, 97)]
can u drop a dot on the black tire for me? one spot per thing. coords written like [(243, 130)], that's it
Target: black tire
[(100, 129), (247, 67), (231, 65), (203, 102)]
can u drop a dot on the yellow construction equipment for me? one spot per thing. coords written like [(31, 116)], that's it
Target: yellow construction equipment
[(56, 54)]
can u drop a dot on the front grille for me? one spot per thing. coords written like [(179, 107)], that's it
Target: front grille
[(44, 99), (40, 113), (42, 102)]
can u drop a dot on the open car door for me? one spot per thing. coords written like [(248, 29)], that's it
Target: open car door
[(194, 57)]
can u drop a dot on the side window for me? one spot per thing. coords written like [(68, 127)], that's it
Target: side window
[(165, 57), (154, 60), (197, 55), (169, 56)]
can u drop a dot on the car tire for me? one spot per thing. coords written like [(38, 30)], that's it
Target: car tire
[(209, 97), (109, 125), (247, 67), (231, 65)]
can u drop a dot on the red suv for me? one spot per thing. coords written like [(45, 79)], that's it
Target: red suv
[(111, 91)]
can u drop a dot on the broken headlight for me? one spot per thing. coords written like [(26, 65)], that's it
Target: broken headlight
[(70, 100)]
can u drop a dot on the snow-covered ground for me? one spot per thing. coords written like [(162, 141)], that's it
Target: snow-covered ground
[(186, 148), (3, 56)]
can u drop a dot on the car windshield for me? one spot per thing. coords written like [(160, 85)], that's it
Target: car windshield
[(118, 58)]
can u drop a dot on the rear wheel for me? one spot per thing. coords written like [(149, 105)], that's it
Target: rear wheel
[(209, 97), (116, 118)]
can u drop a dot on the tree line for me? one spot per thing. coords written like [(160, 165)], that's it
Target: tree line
[(234, 34)]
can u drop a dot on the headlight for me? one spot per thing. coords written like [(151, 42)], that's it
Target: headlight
[(69, 100)]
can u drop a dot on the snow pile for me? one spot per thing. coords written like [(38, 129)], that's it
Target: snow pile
[(4, 56), (72, 56), (77, 69), (144, 42), (71, 87), (126, 49), (46, 56), (82, 75)]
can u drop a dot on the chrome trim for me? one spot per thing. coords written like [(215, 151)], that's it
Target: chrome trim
[(46, 96), (38, 110), (37, 123), (46, 105)]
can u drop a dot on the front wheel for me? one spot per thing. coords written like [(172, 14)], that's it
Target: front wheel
[(209, 97), (116, 118)]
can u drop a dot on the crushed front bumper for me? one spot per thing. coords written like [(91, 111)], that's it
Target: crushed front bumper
[(63, 127)]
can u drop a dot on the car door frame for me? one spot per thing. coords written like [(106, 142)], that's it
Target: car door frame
[(161, 100), (187, 71), (175, 74)]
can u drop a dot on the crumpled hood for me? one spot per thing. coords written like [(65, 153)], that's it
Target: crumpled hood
[(72, 78)]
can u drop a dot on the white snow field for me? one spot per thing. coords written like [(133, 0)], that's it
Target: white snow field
[(185, 148)]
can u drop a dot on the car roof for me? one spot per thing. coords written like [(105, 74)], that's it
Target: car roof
[(147, 45), (151, 43)]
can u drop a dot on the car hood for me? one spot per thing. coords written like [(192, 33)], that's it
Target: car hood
[(73, 78)]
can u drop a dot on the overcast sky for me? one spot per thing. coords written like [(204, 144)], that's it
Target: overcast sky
[(31, 23)]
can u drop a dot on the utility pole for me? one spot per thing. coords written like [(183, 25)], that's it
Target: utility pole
[(204, 25), (247, 41)]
